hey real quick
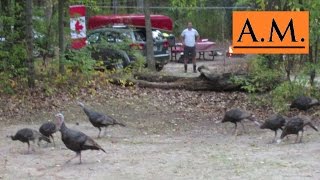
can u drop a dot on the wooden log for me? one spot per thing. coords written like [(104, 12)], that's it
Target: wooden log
[(207, 81)]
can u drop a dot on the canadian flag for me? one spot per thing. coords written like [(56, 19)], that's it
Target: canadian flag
[(78, 26)]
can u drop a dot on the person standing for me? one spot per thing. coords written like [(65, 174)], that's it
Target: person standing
[(188, 38)]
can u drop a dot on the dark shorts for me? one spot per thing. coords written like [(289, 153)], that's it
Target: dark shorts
[(189, 52)]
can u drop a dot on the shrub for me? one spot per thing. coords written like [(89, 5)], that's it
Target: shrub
[(261, 78), (80, 61), (281, 96), (140, 62)]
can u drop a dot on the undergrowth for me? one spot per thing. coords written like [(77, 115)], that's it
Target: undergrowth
[(268, 86), (80, 75)]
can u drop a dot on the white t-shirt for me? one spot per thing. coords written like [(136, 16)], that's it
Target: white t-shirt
[(189, 37)]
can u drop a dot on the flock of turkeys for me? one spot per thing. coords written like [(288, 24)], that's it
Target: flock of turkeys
[(74, 140), (78, 141), (292, 125)]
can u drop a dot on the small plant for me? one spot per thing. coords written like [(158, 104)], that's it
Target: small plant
[(140, 62), (7, 85)]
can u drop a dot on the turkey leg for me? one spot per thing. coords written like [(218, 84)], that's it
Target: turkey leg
[(78, 154)]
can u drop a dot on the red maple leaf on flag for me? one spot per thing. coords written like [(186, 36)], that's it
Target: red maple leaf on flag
[(78, 26)]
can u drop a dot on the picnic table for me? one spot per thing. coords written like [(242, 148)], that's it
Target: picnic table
[(202, 47)]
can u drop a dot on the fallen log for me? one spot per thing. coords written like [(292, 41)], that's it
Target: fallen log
[(155, 77), (207, 81)]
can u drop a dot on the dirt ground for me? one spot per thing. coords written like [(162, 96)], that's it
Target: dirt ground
[(167, 137)]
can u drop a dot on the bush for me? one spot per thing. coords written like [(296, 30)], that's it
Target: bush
[(12, 65), (281, 97), (261, 78), (140, 62), (80, 61), (285, 93)]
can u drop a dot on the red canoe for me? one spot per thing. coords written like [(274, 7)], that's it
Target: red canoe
[(159, 22)]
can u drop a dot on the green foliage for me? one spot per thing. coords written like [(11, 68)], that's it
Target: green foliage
[(13, 59), (261, 77), (212, 24), (45, 34), (281, 97), (313, 7), (13, 52), (6, 84), (80, 61), (310, 66), (286, 92), (78, 78), (92, 6), (140, 62)]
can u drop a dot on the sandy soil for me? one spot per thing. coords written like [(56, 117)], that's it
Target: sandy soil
[(177, 141)]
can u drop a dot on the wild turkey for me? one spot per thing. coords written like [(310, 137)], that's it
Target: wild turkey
[(295, 125), (237, 115), (25, 135), (274, 123), (47, 129), (99, 120), (304, 103), (75, 140)]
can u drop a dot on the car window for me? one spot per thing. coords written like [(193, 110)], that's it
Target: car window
[(93, 38), (113, 36), (125, 36), (139, 36)]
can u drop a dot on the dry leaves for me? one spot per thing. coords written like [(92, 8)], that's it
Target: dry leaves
[(176, 105)]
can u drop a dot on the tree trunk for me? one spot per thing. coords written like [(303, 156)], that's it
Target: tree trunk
[(316, 49), (29, 40), (48, 16), (289, 62), (61, 35), (48, 10), (149, 43), (310, 54), (313, 70)]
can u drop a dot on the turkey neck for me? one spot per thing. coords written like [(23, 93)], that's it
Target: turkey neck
[(63, 127), (87, 111)]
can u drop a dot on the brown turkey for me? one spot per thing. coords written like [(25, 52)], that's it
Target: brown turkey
[(236, 115), (274, 123), (48, 129), (295, 125), (75, 140), (26, 135), (99, 120)]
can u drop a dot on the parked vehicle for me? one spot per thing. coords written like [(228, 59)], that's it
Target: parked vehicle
[(113, 37), (115, 43)]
